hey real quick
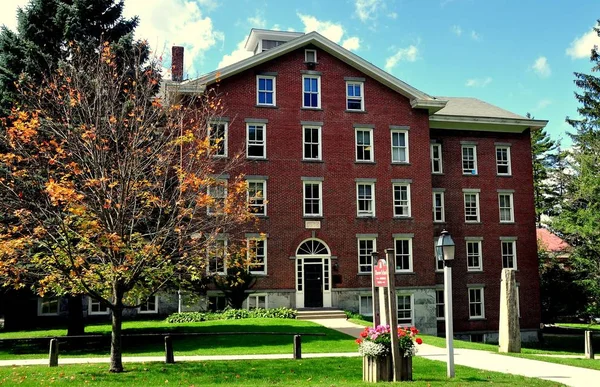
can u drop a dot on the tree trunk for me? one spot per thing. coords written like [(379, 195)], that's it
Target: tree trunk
[(116, 350), (76, 325)]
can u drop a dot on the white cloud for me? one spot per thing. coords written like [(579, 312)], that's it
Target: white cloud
[(582, 46), (258, 20), (408, 54), (541, 67), (392, 15), (475, 36), (478, 82), (175, 22), (8, 16), (457, 30), (543, 104), (237, 55), (332, 31), (365, 9)]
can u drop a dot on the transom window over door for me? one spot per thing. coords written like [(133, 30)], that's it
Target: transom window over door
[(311, 86), (313, 247)]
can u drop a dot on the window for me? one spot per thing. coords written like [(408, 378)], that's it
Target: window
[(365, 305), (401, 200), (311, 142), (439, 304), (216, 303), (256, 145), (310, 56), (257, 197), (474, 260), (476, 306), (364, 145), (217, 132), (150, 306), (469, 159), (313, 205), (365, 199), (354, 96), (399, 146), (257, 301), (48, 306), (505, 201), (509, 255), (471, 206), (311, 86), (436, 158), (403, 251), (438, 207), (265, 90), (366, 246), (218, 194), (503, 160), (217, 255), (257, 255), (96, 307), (405, 309)]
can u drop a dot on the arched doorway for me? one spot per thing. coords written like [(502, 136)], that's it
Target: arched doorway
[(313, 274)]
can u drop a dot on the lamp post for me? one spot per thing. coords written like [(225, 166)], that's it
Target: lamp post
[(444, 250)]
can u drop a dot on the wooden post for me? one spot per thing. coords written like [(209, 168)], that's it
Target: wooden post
[(375, 292), (392, 312), (53, 356), (589, 349), (169, 356), (297, 347)]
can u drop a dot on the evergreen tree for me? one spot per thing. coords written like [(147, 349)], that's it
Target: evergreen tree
[(48, 30), (579, 217)]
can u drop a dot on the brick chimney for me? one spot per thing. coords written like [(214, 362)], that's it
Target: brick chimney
[(177, 63)]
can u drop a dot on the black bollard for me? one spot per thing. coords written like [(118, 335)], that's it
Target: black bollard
[(53, 356), (297, 347), (169, 358)]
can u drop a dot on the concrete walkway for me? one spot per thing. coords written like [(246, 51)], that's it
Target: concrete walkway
[(570, 376)]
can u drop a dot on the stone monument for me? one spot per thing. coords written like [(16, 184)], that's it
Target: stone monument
[(509, 339)]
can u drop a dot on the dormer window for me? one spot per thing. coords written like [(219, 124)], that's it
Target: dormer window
[(310, 56)]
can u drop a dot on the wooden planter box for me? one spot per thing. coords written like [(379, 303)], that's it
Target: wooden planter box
[(379, 369)]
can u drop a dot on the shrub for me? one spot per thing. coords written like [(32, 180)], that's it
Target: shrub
[(187, 317), (231, 314)]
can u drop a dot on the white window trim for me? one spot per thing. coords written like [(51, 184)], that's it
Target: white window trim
[(475, 170), (362, 95), (264, 196), (320, 144), (224, 272), (154, 311), (408, 197), (318, 77), (224, 182), (372, 153), (479, 248), (258, 77), (320, 184), (392, 132), (225, 136), (443, 220), (256, 295), (372, 213), (264, 128), (264, 271), (439, 303), (512, 208), (358, 252), (306, 55), (93, 313), (431, 147), (514, 249), (482, 317), (476, 203), (508, 160), (360, 310), (412, 309), (41, 303), (410, 256)]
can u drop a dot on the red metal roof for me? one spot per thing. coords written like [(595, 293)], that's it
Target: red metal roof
[(550, 241)]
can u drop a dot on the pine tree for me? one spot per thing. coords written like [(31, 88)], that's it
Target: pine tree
[(580, 211), (47, 31)]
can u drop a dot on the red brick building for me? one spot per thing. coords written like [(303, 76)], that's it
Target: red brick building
[(345, 159)]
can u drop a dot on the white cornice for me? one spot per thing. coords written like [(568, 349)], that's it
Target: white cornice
[(489, 124)]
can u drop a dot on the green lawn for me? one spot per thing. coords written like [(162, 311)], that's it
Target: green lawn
[(196, 345), (586, 327), (329, 372)]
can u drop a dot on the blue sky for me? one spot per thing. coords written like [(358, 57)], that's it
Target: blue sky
[(519, 55)]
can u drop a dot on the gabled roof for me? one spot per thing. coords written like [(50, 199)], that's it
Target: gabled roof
[(419, 99), (551, 242)]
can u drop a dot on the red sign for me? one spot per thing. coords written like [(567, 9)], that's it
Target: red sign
[(381, 274)]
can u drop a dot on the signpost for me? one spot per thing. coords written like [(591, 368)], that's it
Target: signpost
[(381, 275)]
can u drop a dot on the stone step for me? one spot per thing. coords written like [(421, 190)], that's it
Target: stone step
[(311, 314)]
